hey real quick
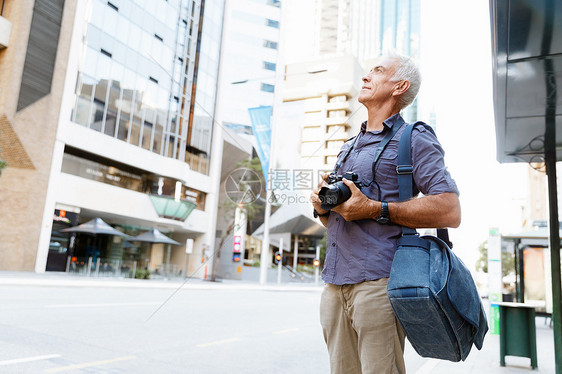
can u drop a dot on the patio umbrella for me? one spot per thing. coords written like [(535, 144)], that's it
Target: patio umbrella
[(153, 236), (96, 226)]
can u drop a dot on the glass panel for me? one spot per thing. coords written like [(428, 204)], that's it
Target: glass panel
[(102, 173), (111, 116), (99, 104), (136, 125), (147, 131), (126, 102), (171, 140), (158, 131), (82, 107)]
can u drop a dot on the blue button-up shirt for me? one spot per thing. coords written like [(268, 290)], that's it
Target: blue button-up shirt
[(363, 250)]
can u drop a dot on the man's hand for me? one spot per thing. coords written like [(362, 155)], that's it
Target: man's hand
[(358, 206), (314, 195)]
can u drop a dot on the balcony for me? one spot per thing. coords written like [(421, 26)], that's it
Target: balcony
[(5, 30)]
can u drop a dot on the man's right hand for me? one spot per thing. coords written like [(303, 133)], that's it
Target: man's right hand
[(315, 199)]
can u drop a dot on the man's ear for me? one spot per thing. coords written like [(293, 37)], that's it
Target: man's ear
[(401, 87)]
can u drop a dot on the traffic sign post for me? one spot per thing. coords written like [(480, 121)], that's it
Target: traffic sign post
[(317, 266), (280, 264)]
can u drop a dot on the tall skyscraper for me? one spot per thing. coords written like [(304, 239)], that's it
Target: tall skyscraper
[(111, 115), (248, 59), (365, 28)]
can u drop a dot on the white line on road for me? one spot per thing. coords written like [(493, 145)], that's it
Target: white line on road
[(101, 305), (285, 331), (89, 364), (218, 342), (27, 359), (428, 367)]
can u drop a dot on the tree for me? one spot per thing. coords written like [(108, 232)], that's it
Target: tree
[(3, 164), (229, 206), (508, 259)]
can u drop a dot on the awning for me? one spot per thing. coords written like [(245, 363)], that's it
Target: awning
[(527, 59), (168, 207), (293, 218)]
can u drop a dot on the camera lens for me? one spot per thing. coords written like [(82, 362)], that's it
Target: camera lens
[(333, 195)]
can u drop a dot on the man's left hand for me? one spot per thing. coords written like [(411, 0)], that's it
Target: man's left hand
[(358, 206)]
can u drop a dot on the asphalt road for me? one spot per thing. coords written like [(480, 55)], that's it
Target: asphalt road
[(219, 329), (121, 330)]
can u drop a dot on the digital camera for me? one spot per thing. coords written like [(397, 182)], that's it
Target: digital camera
[(336, 192)]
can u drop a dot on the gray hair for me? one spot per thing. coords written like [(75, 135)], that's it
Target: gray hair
[(406, 70)]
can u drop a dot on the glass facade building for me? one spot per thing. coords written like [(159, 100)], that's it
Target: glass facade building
[(148, 75)]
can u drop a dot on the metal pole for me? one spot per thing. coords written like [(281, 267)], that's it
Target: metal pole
[(264, 257), (117, 268), (98, 267), (296, 255), (68, 263), (317, 269), (277, 101), (550, 161), (280, 264), (134, 269), (89, 270), (555, 258)]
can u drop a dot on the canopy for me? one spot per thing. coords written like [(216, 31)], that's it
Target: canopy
[(153, 236), (96, 226)]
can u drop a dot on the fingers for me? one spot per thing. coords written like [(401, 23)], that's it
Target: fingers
[(350, 184)]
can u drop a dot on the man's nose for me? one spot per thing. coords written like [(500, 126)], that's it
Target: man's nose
[(365, 78)]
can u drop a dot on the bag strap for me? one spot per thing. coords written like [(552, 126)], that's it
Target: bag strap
[(405, 171)]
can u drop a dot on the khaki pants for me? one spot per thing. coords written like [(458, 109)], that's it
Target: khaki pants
[(360, 330)]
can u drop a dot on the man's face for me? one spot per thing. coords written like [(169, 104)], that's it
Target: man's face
[(377, 85)]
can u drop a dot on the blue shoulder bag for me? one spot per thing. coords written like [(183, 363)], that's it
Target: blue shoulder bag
[(431, 291)]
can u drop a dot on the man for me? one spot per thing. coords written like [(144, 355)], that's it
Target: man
[(360, 330)]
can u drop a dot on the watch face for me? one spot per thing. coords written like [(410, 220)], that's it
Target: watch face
[(382, 220)]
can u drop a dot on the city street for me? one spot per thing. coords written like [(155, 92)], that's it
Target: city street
[(204, 328)]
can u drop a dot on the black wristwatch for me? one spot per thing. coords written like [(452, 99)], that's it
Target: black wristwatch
[(384, 217), (316, 215)]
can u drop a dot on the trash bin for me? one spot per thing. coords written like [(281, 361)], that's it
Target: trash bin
[(518, 335)]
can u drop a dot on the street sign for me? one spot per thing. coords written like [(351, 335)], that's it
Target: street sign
[(189, 246)]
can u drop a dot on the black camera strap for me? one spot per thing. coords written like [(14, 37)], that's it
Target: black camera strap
[(382, 145)]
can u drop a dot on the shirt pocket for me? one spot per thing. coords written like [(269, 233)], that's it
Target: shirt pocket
[(385, 169)]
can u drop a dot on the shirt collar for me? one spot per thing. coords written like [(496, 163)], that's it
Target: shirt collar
[(389, 122)]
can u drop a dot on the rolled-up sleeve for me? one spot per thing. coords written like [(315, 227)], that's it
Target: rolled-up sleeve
[(430, 173)]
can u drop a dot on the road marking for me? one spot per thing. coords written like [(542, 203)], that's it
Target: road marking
[(100, 305), (428, 367), (218, 342), (285, 331), (27, 359), (89, 364)]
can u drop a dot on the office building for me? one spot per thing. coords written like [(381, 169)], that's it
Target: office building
[(107, 111)]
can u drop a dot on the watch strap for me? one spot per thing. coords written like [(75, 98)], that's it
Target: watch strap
[(316, 214)]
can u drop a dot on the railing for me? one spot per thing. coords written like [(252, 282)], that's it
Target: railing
[(99, 267), (112, 268)]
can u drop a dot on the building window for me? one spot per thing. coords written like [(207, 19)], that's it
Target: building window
[(113, 6), (272, 23), (270, 44), (269, 66), (267, 87)]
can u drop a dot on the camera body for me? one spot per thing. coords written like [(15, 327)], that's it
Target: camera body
[(336, 192)]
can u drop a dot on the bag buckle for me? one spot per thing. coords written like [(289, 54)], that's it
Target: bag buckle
[(404, 169)]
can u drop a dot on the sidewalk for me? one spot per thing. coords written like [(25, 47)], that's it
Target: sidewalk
[(481, 362), (52, 279), (488, 359)]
